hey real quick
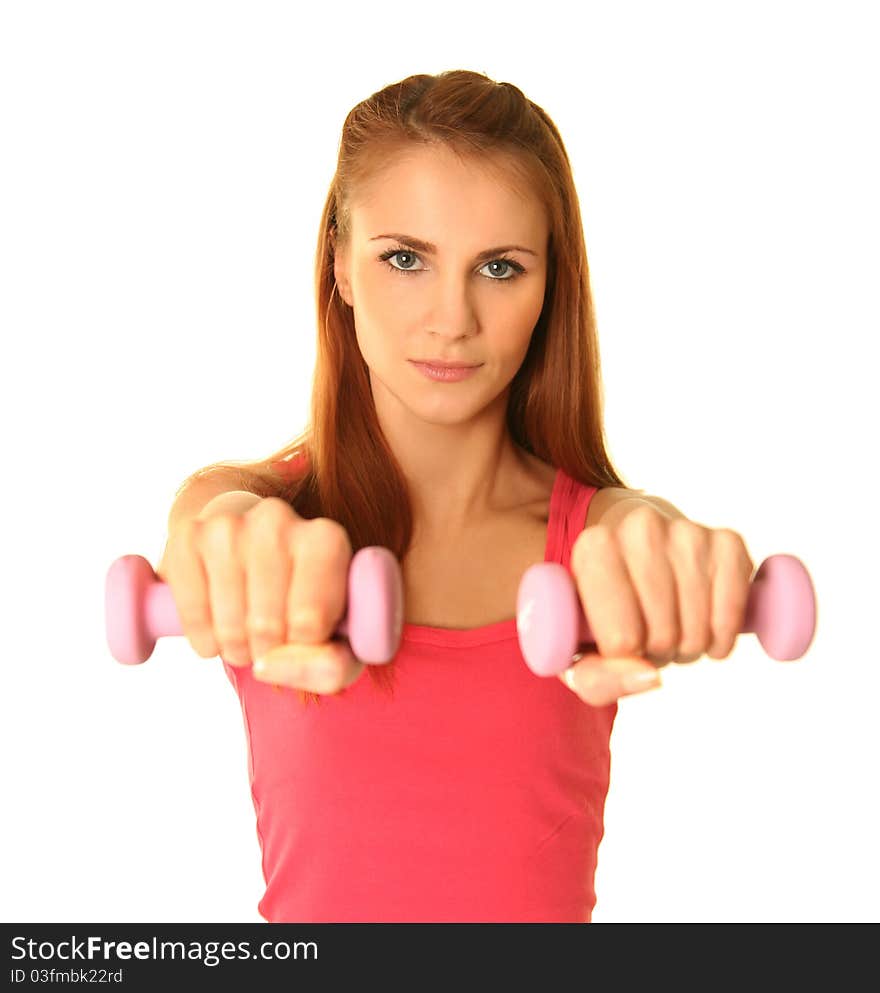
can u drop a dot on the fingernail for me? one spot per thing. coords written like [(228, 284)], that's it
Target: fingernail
[(637, 682)]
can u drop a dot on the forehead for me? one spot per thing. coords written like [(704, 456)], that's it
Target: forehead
[(432, 193)]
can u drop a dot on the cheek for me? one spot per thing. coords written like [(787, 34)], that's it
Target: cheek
[(383, 311), (518, 325), (380, 336)]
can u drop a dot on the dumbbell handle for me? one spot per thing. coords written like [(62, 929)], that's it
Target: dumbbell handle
[(552, 626), (139, 608)]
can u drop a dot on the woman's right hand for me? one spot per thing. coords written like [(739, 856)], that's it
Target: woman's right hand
[(264, 584)]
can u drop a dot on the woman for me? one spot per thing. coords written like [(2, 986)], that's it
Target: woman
[(452, 784)]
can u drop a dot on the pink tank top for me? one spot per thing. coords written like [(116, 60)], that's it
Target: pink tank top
[(475, 794)]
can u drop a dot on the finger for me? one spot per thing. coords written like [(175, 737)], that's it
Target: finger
[(185, 574), (319, 587), (601, 681), (268, 570), (607, 594), (218, 539), (643, 535), (325, 669), (689, 548), (732, 569)]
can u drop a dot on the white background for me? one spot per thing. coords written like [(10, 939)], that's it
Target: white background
[(164, 165)]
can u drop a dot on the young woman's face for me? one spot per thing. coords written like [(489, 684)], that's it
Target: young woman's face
[(452, 303)]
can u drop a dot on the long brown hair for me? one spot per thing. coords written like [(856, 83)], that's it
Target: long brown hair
[(340, 466)]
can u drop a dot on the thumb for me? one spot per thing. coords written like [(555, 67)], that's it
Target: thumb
[(600, 680)]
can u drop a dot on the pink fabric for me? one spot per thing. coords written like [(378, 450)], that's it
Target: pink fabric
[(476, 794)]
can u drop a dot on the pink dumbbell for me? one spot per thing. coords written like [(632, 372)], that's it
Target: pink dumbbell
[(551, 624), (139, 608)]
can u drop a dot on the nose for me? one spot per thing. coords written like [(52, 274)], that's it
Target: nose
[(451, 310)]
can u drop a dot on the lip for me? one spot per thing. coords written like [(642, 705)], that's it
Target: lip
[(446, 365), (446, 372)]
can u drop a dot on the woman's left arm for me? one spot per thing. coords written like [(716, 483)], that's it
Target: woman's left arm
[(656, 588)]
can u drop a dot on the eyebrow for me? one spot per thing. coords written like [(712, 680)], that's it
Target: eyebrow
[(430, 249)]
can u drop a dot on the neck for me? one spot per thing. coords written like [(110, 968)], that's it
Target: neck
[(458, 475)]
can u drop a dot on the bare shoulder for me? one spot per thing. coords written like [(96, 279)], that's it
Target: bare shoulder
[(543, 479)]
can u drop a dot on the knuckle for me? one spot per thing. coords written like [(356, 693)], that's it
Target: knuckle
[(664, 642), (329, 534), (267, 520), (685, 658), (720, 649), (723, 640), (231, 637), (598, 534), (195, 619), (310, 619), (620, 643), (697, 635), (729, 538), (689, 537), (692, 648), (271, 507), (265, 627), (193, 611), (728, 629), (234, 658), (644, 524), (731, 544), (219, 533), (203, 643)]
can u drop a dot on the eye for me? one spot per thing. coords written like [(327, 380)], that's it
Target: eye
[(391, 253), (512, 266)]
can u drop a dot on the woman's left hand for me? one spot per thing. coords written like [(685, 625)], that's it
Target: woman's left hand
[(655, 589)]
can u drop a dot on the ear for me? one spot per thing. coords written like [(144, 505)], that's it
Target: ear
[(340, 269)]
